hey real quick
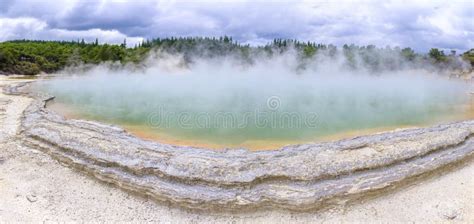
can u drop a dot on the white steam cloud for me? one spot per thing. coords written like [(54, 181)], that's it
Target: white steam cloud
[(225, 100)]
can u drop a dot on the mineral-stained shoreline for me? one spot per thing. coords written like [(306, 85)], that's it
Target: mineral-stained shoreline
[(297, 177)]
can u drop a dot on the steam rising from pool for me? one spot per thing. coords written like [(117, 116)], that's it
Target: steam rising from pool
[(228, 103)]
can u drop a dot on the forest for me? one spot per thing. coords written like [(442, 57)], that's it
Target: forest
[(31, 57)]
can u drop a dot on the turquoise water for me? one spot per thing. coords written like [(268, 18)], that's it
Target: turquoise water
[(233, 110)]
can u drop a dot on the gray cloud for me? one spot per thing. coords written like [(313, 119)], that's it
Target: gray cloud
[(418, 24)]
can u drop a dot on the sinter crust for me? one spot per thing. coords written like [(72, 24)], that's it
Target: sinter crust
[(296, 177)]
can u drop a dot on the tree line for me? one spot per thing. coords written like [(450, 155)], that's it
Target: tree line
[(30, 57)]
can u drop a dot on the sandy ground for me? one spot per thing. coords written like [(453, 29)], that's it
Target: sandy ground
[(36, 188)]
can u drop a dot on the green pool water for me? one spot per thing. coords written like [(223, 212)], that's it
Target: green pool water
[(235, 111)]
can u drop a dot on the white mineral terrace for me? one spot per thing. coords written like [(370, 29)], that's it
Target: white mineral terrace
[(307, 177)]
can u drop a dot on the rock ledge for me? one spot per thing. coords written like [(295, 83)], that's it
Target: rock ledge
[(296, 177)]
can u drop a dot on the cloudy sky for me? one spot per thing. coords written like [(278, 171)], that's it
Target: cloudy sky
[(417, 24)]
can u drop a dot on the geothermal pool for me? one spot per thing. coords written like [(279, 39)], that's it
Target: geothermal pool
[(257, 110)]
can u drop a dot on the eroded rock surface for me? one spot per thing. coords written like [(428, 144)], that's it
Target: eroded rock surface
[(297, 177)]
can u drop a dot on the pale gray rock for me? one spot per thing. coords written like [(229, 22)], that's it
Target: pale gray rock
[(295, 177)]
